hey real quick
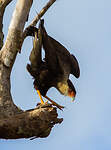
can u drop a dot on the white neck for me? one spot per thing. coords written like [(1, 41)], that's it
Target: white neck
[(63, 88)]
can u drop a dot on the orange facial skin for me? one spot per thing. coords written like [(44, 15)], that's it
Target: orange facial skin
[(71, 93)]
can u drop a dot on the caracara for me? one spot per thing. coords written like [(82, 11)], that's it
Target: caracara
[(55, 68)]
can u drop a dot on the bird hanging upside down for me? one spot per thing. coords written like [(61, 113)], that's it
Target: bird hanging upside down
[(56, 67)]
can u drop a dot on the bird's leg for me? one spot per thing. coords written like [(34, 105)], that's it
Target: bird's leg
[(42, 102), (54, 103)]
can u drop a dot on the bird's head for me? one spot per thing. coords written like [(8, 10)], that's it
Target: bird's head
[(71, 90), (67, 89)]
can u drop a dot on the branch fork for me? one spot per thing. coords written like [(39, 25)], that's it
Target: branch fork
[(14, 122)]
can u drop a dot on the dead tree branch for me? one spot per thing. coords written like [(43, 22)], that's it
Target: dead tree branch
[(42, 12), (3, 4), (14, 122), (39, 15), (33, 123), (14, 38)]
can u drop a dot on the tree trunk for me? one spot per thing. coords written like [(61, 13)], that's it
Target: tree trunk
[(14, 122)]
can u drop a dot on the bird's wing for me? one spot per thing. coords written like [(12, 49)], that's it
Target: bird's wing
[(75, 70), (35, 55), (63, 57), (59, 47), (49, 48), (66, 59)]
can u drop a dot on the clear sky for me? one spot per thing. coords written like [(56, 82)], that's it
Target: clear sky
[(84, 28)]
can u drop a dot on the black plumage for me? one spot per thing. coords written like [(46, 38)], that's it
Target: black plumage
[(56, 67)]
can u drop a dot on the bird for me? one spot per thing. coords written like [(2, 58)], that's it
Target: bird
[(54, 70)]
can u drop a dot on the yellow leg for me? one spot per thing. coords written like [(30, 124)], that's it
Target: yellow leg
[(54, 103), (42, 102)]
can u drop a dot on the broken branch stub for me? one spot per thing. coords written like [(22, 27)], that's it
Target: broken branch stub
[(32, 123)]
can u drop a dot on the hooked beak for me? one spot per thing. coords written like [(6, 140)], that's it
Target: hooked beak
[(72, 95), (73, 99)]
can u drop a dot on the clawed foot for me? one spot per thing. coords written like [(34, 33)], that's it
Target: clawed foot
[(54, 103), (39, 105), (46, 104), (58, 106)]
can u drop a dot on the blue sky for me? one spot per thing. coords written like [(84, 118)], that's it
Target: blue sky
[(84, 28)]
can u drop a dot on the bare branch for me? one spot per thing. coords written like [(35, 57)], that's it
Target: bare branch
[(15, 123), (3, 4), (33, 123), (7, 106), (14, 38), (39, 15), (8, 55), (42, 12)]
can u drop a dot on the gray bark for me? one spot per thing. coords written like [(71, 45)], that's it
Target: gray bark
[(14, 122)]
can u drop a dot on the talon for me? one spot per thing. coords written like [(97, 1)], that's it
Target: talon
[(48, 99), (46, 102), (54, 103)]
